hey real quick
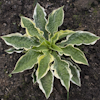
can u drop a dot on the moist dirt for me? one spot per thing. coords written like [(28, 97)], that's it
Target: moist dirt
[(79, 15)]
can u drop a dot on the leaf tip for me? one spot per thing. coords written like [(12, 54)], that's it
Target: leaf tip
[(1, 37), (22, 25), (87, 63), (62, 7), (22, 17), (98, 37), (47, 96), (12, 72), (37, 4)]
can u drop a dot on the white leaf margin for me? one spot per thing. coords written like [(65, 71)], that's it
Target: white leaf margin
[(42, 10), (41, 87)]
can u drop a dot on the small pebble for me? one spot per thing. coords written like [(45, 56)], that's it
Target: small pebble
[(15, 6), (3, 33), (90, 15), (5, 66), (86, 77), (3, 55), (25, 79), (6, 72), (91, 10), (3, 81), (10, 56), (29, 95), (4, 24), (12, 83)]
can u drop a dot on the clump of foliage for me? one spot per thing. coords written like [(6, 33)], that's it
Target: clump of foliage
[(44, 49)]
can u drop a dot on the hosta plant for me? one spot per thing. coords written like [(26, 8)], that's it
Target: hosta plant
[(46, 52)]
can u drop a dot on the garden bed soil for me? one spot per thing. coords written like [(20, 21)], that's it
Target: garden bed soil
[(79, 15)]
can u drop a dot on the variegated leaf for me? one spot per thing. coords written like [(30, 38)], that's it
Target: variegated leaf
[(12, 50), (46, 84), (82, 37), (76, 54), (43, 65), (27, 61), (76, 75), (39, 19), (71, 62), (18, 41), (62, 71), (31, 28), (75, 72), (36, 41), (55, 20), (60, 34)]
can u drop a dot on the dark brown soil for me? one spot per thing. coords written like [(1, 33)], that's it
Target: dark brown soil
[(79, 15)]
